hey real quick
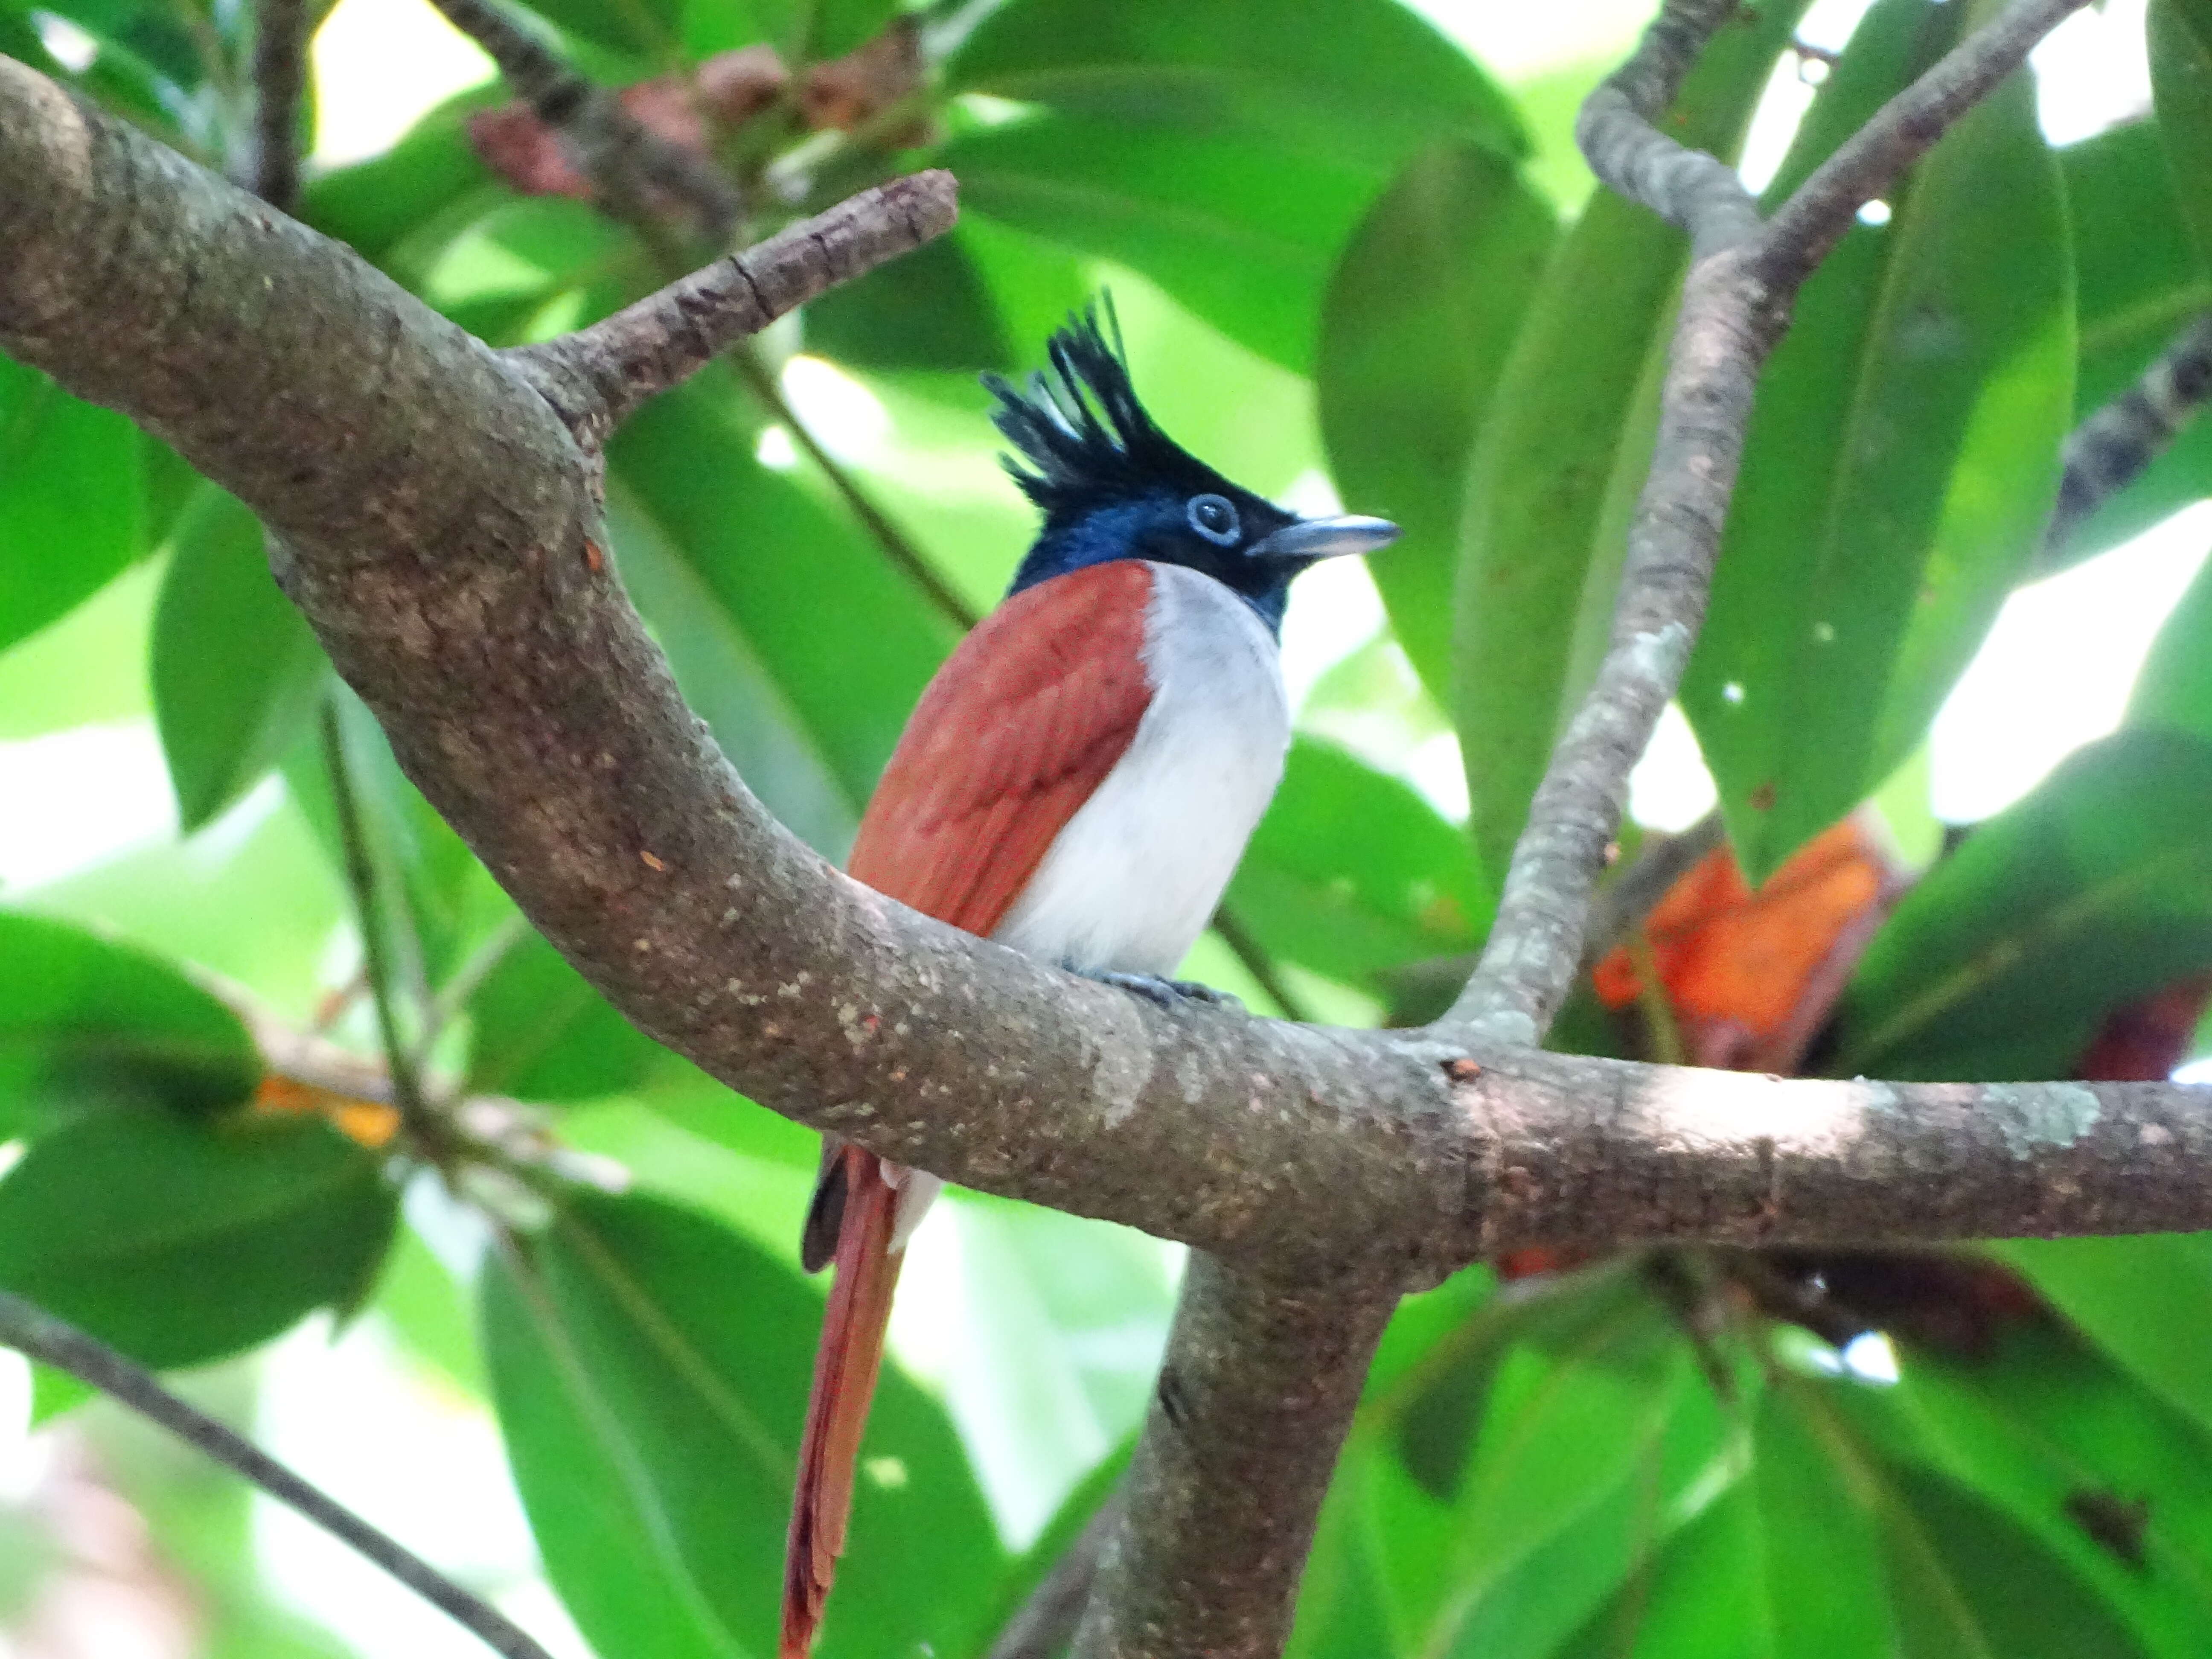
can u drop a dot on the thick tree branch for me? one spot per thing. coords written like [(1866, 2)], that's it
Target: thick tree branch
[(39, 1335), (627, 162), (2114, 448), (1247, 1415), (598, 375)]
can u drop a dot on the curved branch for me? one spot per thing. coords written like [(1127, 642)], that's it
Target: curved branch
[(31, 1331)]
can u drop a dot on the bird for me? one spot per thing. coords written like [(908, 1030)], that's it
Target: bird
[(1076, 782)]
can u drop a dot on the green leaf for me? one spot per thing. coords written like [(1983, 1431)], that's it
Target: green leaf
[(2138, 283), (85, 1022), (237, 673), (929, 309), (542, 1033), (180, 1239), (2142, 1300), (2180, 32), (523, 249), (768, 550), (1227, 163), (1351, 872), (371, 205), (651, 1371), (70, 515), (1570, 428), (723, 680), (2174, 688), (2094, 890), (2108, 1476), (1419, 316), (1902, 459), (646, 30)]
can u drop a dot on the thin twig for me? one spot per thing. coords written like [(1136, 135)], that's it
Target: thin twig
[(280, 77), (369, 916), (1041, 1625), (31, 1331), (599, 374), (1735, 308), (2112, 448), (628, 162), (1231, 927)]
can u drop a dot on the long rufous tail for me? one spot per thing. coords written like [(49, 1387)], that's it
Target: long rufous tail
[(845, 1367)]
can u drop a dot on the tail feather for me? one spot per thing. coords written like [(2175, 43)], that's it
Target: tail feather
[(844, 1368)]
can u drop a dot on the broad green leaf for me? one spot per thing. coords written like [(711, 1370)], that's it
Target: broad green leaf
[(179, 1239), (541, 1032), (522, 249), (2142, 1300), (2181, 34), (237, 673), (69, 512), (1563, 1417), (847, 640), (84, 1022), (651, 1371), (644, 30), (89, 667), (1228, 163), (929, 309), (723, 679), (1351, 872), (2138, 283), (2094, 890), (2107, 1475), (1901, 462), (1419, 315), (1567, 429), (2174, 688), (1965, 1580)]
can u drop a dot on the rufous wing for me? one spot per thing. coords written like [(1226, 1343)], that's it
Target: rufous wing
[(1019, 727), (1014, 734)]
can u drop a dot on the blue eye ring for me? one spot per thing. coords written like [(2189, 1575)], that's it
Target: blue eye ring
[(1214, 518)]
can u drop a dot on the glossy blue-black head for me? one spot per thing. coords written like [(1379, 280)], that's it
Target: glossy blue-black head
[(1112, 485)]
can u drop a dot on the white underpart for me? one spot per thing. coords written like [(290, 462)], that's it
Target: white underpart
[(1131, 881)]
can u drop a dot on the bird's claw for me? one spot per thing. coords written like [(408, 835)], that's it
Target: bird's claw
[(1168, 992)]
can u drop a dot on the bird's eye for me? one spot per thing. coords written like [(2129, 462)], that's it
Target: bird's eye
[(1214, 518)]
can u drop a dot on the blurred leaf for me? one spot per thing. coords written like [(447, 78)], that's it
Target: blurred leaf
[(1226, 161), (237, 673), (517, 250), (89, 667), (723, 680), (1568, 427), (2180, 32), (651, 1371), (646, 30), (2113, 1480), (2138, 283), (2174, 688), (1570, 1408), (1029, 1569), (70, 515), (107, 1218), (85, 1022), (430, 1315), (542, 1033), (1420, 314), (2142, 1300), (1902, 457), (848, 641), (2093, 890), (371, 205), (1351, 872), (929, 309)]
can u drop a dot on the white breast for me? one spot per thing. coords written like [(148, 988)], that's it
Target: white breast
[(1131, 882)]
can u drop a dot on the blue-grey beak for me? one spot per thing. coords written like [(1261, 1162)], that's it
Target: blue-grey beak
[(1325, 538)]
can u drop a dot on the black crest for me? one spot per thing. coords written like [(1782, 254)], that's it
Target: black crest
[(1081, 429)]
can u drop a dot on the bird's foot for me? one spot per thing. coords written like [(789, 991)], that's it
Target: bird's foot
[(1167, 993)]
